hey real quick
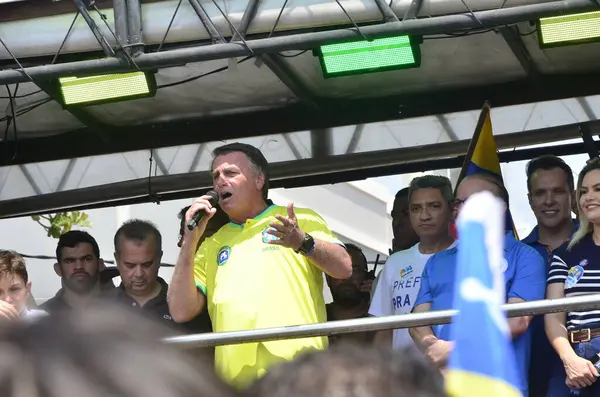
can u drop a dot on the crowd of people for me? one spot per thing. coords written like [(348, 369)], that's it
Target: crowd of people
[(252, 264)]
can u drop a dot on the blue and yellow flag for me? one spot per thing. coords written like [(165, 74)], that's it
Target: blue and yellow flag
[(482, 157), (482, 363)]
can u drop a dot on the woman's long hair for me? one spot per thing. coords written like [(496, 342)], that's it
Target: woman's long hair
[(585, 226)]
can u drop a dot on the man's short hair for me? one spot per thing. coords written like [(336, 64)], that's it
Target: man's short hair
[(13, 264), (73, 238), (350, 246), (258, 162), (138, 230), (438, 182), (548, 162), (108, 351), (495, 180), (352, 370), (401, 193)]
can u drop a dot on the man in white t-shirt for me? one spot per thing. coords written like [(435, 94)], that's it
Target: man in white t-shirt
[(430, 212)]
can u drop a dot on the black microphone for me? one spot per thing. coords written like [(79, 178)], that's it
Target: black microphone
[(197, 218)]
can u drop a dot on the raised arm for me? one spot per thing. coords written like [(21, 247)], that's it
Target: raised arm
[(186, 295), (327, 253)]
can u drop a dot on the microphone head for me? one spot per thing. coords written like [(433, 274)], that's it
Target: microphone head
[(214, 196)]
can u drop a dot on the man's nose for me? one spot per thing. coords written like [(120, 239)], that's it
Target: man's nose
[(549, 198), (79, 264)]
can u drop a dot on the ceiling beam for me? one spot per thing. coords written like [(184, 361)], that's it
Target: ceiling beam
[(302, 41), (291, 118), (306, 172)]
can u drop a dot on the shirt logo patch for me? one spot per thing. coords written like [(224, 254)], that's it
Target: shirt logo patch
[(167, 317), (223, 255), (406, 271), (583, 263), (575, 274), (503, 265), (266, 237)]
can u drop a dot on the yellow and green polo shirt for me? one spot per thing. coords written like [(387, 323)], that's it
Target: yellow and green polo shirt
[(252, 284)]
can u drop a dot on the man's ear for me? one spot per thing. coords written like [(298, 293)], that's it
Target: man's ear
[(58, 270), (260, 181), (101, 265), (529, 199), (28, 287)]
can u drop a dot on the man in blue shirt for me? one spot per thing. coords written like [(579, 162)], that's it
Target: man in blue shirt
[(525, 281), (551, 194)]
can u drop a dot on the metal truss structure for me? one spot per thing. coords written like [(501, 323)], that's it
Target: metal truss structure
[(308, 124)]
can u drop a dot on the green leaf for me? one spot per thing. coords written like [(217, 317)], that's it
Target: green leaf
[(35, 218)]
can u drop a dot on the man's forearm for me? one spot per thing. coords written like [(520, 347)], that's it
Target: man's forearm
[(518, 326), (422, 336), (185, 302), (332, 258)]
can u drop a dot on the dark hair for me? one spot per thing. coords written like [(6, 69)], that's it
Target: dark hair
[(402, 193), (138, 230), (13, 264), (219, 219), (73, 238), (99, 352), (257, 160), (548, 162), (438, 182), (352, 370), (350, 246)]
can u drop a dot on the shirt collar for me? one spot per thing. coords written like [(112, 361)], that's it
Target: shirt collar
[(509, 242), (534, 236), (162, 295)]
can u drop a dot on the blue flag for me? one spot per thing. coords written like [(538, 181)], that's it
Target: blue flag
[(482, 364)]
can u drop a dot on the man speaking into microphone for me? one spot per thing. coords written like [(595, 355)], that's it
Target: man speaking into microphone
[(263, 269)]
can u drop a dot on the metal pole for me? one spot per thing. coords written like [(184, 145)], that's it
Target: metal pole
[(378, 323), (120, 14), (386, 11), (108, 51), (134, 26), (435, 25), (247, 18), (213, 32)]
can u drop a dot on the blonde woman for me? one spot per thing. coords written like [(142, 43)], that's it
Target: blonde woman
[(575, 271)]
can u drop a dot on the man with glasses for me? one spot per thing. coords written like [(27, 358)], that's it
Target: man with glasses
[(525, 281)]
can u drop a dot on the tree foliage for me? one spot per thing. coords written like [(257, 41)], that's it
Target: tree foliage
[(62, 222)]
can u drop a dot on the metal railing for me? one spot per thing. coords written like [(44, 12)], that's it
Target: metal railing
[(378, 323)]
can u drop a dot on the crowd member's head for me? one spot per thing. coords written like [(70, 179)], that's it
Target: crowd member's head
[(550, 190), (241, 178), (78, 262), (218, 220), (430, 206), (352, 370), (138, 252), (404, 235), (15, 287), (588, 200), (347, 292), (476, 183), (98, 353)]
